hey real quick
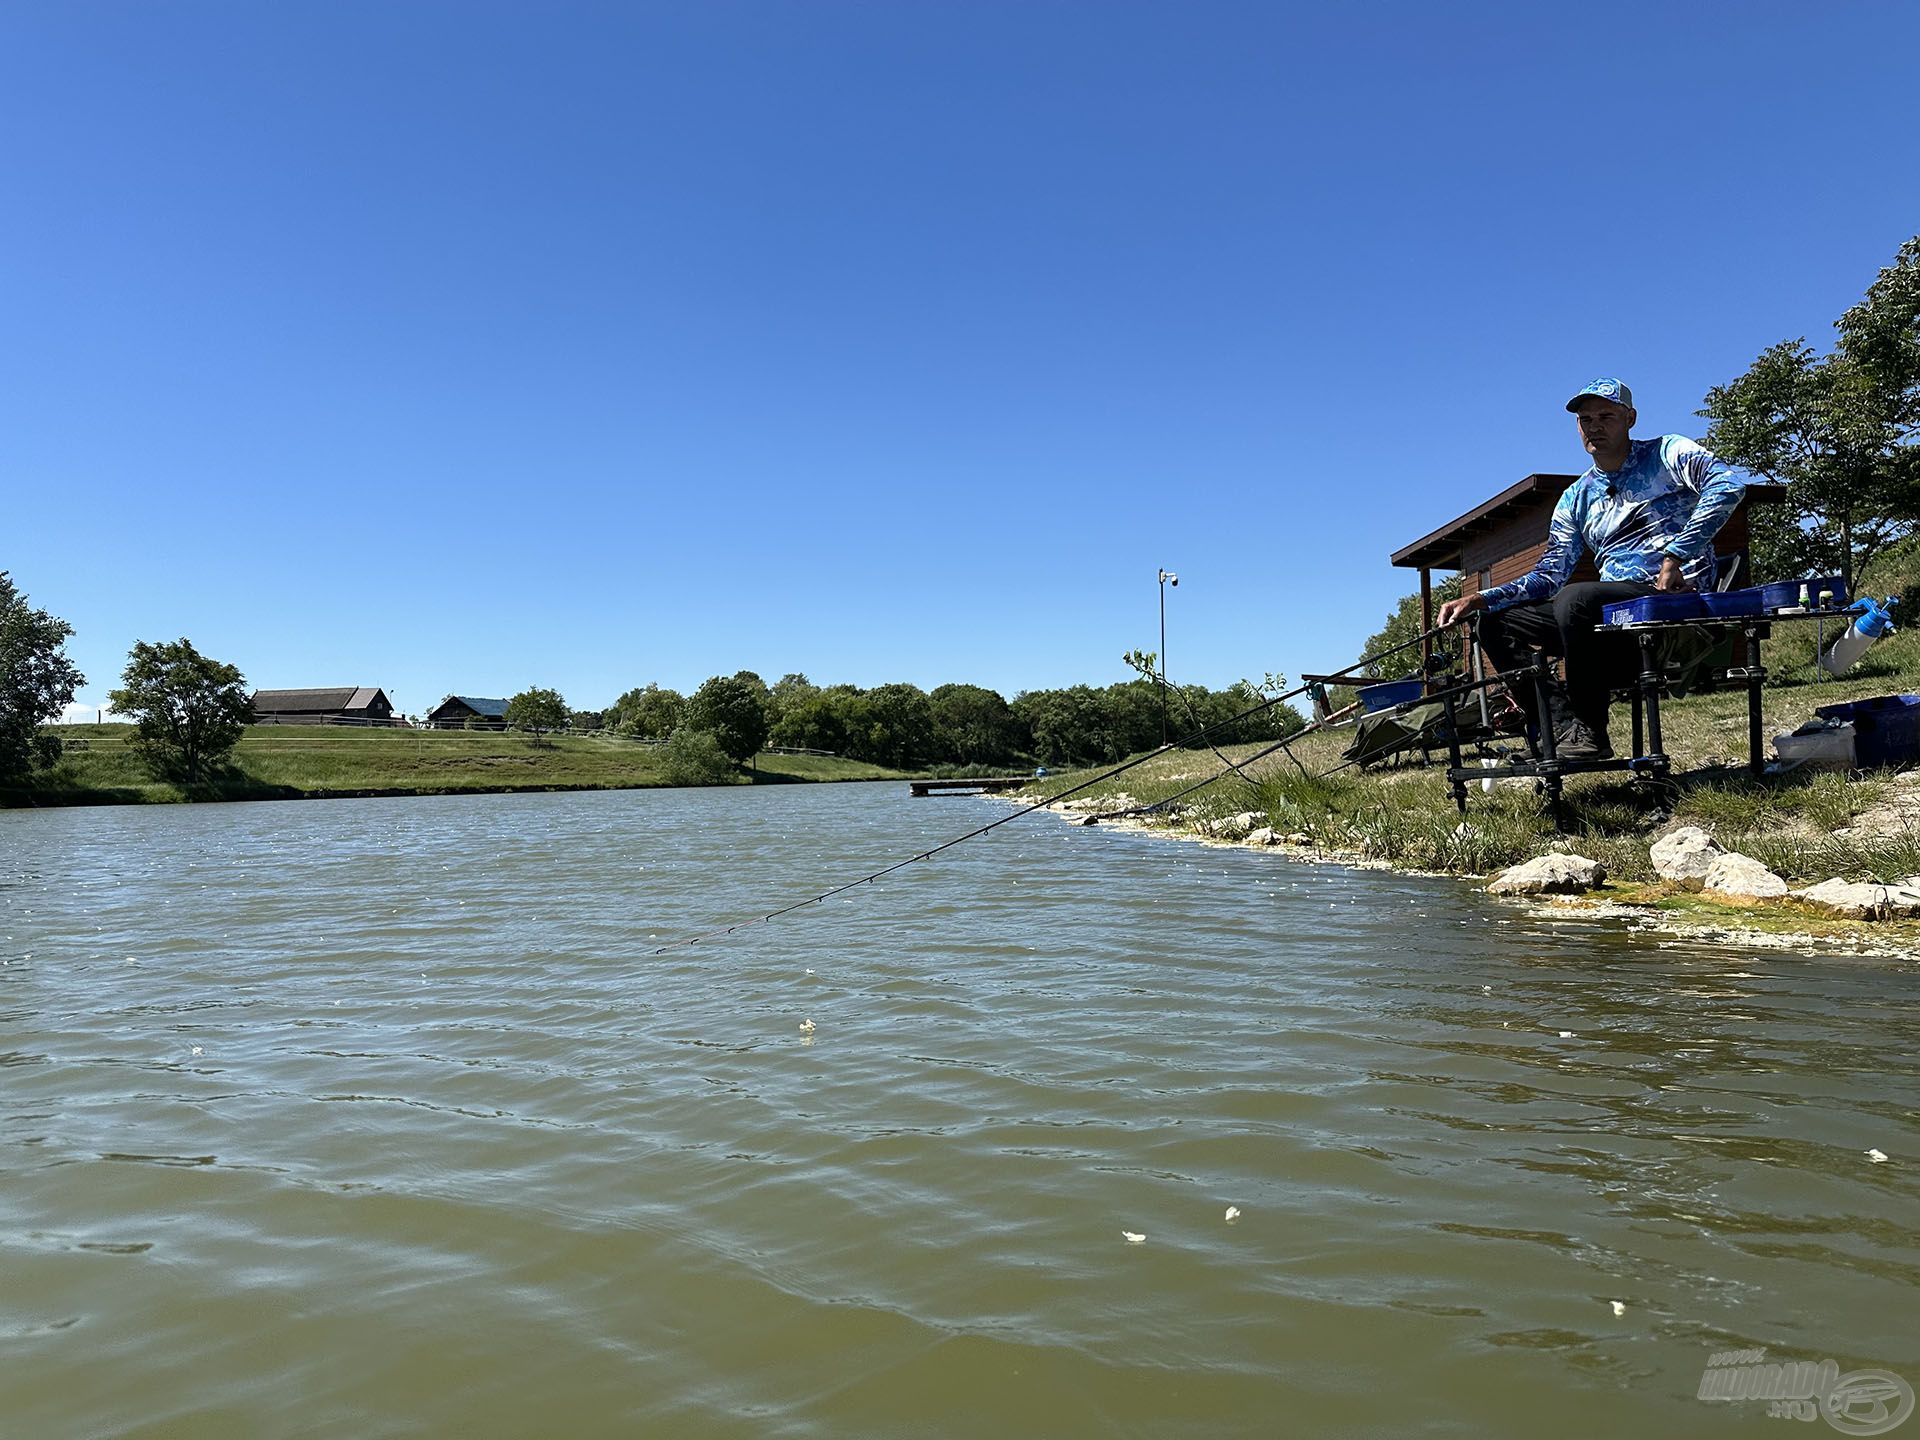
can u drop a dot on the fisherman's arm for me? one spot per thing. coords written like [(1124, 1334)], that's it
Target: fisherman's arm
[(1543, 582), (1720, 488)]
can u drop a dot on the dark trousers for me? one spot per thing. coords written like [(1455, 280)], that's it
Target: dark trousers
[(1564, 627)]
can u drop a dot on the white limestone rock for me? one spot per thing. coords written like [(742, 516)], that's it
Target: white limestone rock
[(1685, 855), (1743, 877), (1236, 827), (1847, 899), (1265, 835), (1550, 875)]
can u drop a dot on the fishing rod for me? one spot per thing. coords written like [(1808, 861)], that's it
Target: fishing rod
[(1238, 767), (1465, 687), (1121, 769)]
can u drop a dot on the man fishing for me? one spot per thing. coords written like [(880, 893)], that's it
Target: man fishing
[(1648, 510)]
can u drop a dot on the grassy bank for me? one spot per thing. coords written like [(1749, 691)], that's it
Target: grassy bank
[(284, 762), (1807, 826)]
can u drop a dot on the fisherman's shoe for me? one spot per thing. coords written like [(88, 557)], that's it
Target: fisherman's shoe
[(1576, 740)]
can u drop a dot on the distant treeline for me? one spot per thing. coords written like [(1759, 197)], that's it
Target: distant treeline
[(904, 727)]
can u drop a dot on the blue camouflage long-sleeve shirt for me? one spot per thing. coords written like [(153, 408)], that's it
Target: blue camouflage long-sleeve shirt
[(1670, 498)]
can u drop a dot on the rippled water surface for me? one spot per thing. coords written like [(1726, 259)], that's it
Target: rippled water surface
[(382, 1118)]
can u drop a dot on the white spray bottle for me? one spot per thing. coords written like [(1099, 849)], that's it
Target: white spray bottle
[(1874, 622)]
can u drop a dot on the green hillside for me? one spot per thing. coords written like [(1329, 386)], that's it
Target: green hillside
[(298, 762)]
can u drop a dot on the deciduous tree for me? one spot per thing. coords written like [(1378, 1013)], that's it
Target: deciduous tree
[(975, 726), (733, 710), (649, 714), (1838, 429), (537, 711), (694, 757), (190, 709), (1402, 629), (37, 681)]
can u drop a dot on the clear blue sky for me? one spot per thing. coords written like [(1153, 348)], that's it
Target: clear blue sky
[(466, 346)]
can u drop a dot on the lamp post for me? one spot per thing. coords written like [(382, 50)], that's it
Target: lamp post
[(1167, 577)]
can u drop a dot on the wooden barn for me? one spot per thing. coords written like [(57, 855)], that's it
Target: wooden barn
[(348, 705), (468, 712)]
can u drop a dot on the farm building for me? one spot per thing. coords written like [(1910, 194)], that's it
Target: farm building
[(468, 712), (349, 705)]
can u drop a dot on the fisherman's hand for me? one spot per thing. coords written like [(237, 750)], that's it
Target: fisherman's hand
[(1671, 576), (1456, 610)]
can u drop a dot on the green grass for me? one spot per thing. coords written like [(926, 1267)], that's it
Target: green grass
[(1794, 823), (292, 762)]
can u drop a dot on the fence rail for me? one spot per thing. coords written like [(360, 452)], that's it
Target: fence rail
[(398, 722)]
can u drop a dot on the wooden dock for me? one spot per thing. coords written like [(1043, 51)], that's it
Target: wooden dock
[(991, 786)]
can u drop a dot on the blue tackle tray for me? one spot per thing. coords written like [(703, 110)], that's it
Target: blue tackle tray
[(1669, 605), (1389, 694), (1735, 602)]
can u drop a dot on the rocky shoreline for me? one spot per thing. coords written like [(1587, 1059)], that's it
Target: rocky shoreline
[(1740, 901)]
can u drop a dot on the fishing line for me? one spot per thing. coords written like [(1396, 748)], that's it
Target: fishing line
[(1054, 799)]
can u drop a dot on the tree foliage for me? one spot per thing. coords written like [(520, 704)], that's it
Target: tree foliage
[(1839, 430), (37, 680), (901, 726), (537, 711), (694, 757), (975, 726), (788, 691), (1402, 629), (733, 709), (190, 710), (648, 714)]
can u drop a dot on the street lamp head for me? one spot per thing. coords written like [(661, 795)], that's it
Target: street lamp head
[(1167, 577)]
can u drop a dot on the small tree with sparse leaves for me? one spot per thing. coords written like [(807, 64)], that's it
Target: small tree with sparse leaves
[(537, 711)]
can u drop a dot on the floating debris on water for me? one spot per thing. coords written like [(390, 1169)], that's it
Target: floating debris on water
[(1233, 1213), (1133, 1237), (806, 1027), (1618, 1308), (1568, 1035), (1878, 1157)]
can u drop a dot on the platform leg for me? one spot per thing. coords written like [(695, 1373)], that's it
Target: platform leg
[(1650, 689), (1756, 677), (1455, 761), (1542, 677)]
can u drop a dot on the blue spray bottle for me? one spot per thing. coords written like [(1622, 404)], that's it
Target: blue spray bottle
[(1875, 621)]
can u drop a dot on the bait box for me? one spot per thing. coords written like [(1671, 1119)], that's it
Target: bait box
[(1886, 729), (1785, 594)]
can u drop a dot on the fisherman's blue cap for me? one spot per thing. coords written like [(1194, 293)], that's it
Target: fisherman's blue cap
[(1607, 388)]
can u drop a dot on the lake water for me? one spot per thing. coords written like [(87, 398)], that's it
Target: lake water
[(382, 1118)]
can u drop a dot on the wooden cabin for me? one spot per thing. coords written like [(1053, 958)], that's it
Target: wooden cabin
[(347, 705), (468, 712)]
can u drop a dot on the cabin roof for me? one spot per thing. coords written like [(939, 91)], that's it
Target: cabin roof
[(491, 709), (345, 697)]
